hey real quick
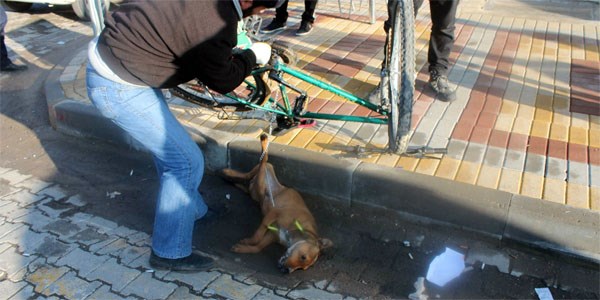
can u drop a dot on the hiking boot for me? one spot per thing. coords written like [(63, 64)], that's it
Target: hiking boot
[(439, 84), (305, 28), (195, 262), (274, 26)]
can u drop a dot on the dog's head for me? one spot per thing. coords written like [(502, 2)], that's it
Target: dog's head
[(303, 250)]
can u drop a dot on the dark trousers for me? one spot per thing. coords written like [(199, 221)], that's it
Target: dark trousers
[(281, 13), (441, 41), (4, 60)]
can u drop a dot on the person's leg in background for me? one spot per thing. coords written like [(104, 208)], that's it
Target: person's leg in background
[(308, 17), (279, 22), (6, 65), (443, 18)]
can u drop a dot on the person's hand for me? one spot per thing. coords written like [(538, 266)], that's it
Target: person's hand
[(262, 51)]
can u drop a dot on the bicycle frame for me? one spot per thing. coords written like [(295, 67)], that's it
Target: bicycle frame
[(291, 111)]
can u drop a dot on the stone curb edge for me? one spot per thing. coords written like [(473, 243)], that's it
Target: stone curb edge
[(534, 222)]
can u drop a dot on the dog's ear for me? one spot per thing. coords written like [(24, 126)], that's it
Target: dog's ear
[(325, 243)]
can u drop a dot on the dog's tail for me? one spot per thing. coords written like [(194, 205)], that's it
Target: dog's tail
[(264, 143)]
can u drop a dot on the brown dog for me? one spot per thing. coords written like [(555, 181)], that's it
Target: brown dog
[(286, 218)]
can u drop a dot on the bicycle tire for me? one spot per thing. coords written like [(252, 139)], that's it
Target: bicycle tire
[(399, 82), (253, 90)]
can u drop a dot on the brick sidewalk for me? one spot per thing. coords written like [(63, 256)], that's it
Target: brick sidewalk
[(526, 116)]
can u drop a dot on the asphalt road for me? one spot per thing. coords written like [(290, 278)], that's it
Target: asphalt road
[(376, 254)]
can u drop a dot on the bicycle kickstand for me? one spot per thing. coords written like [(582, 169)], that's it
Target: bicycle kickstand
[(420, 152)]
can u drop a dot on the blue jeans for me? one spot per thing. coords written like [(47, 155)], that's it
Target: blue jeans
[(143, 113)]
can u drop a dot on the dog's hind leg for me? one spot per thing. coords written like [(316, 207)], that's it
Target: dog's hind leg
[(244, 245), (239, 177)]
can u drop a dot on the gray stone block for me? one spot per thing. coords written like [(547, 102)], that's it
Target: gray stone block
[(472, 207), (118, 276), (82, 261), (225, 286), (146, 287), (554, 226), (71, 287)]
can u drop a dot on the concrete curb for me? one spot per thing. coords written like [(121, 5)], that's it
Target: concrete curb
[(534, 222)]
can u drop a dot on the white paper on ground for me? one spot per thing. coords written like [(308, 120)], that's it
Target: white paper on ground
[(445, 267), (544, 293)]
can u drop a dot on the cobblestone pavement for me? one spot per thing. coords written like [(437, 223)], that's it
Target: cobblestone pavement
[(50, 249), (52, 246)]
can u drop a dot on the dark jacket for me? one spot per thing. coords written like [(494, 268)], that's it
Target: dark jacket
[(162, 43)]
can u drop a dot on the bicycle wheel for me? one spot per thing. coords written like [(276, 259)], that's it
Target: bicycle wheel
[(253, 90), (398, 83)]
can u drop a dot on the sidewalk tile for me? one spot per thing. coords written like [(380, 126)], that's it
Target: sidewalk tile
[(555, 190), (578, 195), (532, 185)]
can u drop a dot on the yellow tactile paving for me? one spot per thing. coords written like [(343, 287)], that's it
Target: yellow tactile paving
[(555, 190), (448, 168), (407, 163), (468, 172), (510, 181), (427, 166), (595, 198), (578, 195), (578, 135), (532, 185)]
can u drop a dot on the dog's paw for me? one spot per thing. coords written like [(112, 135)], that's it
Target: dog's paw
[(238, 248), (245, 241)]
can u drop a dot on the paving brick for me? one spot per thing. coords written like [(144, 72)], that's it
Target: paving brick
[(535, 164), (468, 172), (514, 160), (53, 212), (82, 261), (578, 195), (53, 249), (76, 200), (555, 190), (34, 185), (578, 173), (6, 189), (55, 192), (115, 248), (62, 228), (71, 287), (24, 198), (9, 288), (140, 239), (556, 169), (267, 294), (489, 176), (448, 168), (104, 293), (36, 219), (102, 224), (11, 209), (116, 275), (6, 228), (132, 253), (88, 236), (510, 181), (198, 281), (225, 286), (14, 177), (532, 185), (24, 293), (183, 293), (149, 288), (122, 231), (45, 276), (310, 292)]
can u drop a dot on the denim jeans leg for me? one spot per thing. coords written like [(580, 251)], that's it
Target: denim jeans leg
[(143, 113)]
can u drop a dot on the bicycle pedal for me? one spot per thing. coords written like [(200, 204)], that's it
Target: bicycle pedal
[(307, 123)]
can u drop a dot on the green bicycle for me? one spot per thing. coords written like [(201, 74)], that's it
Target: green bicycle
[(396, 87)]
